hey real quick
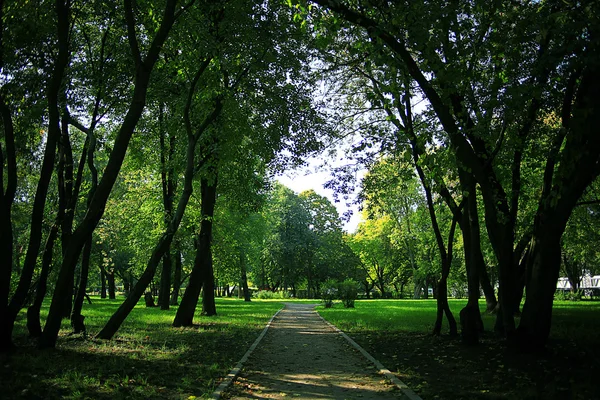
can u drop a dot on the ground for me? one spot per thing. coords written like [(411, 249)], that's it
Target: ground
[(442, 368), (302, 357)]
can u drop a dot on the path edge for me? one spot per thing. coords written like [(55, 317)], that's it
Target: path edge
[(238, 367), (382, 369)]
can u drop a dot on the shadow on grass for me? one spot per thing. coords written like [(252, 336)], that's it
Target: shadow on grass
[(147, 359)]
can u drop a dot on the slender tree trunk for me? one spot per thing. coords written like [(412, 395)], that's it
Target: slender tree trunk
[(244, 276), (102, 281), (484, 281), (165, 281), (176, 279), (168, 191), (76, 317), (110, 278), (442, 292)]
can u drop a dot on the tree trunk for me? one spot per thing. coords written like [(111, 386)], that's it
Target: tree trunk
[(110, 277), (536, 318), (6, 202), (484, 281), (165, 281), (470, 316), (244, 276), (442, 290), (176, 279), (202, 273), (76, 317), (209, 196), (33, 312), (168, 192), (102, 282), (189, 301)]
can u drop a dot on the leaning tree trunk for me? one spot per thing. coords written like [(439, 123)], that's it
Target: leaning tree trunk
[(33, 312), (161, 247), (202, 272)]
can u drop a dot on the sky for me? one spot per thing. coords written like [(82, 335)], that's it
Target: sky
[(306, 178)]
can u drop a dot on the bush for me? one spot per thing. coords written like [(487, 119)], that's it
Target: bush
[(568, 295), (348, 292), (268, 294), (329, 292)]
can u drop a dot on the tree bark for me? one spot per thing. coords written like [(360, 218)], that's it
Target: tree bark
[(102, 281), (202, 273), (33, 312), (470, 316), (209, 197), (110, 278), (176, 279), (165, 281), (76, 317), (6, 201), (244, 276), (168, 191)]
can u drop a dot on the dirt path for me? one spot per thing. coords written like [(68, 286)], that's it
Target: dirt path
[(302, 357)]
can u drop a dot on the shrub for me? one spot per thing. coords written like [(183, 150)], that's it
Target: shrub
[(348, 292), (568, 295), (329, 292)]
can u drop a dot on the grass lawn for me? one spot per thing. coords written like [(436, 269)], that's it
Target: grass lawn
[(147, 359), (397, 332)]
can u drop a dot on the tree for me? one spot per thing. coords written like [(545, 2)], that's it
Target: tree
[(433, 52)]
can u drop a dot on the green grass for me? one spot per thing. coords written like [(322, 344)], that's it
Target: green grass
[(398, 333), (147, 358), (572, 320)]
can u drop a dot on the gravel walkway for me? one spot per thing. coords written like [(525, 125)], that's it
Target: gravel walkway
[(302, 357)]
